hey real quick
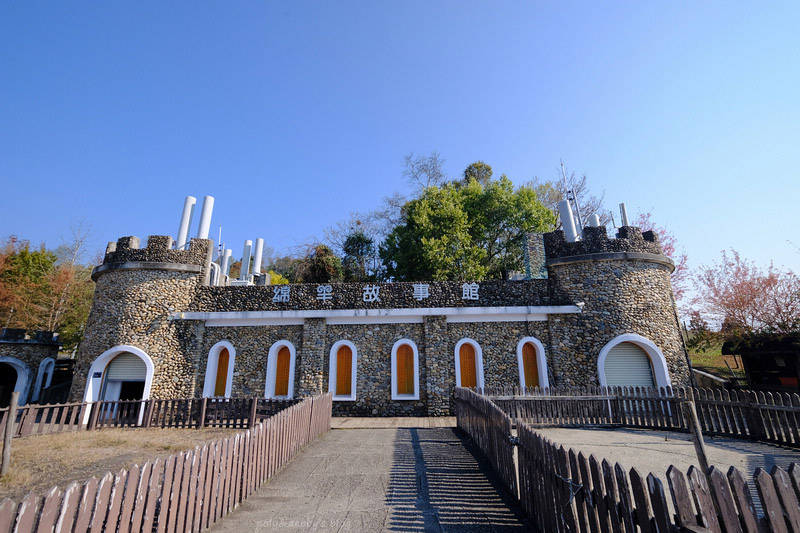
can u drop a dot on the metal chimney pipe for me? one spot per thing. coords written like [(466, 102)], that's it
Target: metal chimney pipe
[(248, 245), (205, 217), (226, 262), (567, 221), (594, 220), (257, 257), (186, 221), (623, 213)]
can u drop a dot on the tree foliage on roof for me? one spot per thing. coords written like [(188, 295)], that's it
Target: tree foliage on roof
[(471, 229)]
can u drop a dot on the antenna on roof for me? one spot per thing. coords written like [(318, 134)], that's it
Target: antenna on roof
[(572, 198)]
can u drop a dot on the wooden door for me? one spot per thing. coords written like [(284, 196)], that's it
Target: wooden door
[(222, 373), (529, 365), (404, 367), (344, 370), (282, 366), (467, 364)]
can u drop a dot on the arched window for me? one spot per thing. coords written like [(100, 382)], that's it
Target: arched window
[(44, 378), (219, 370), (532, 363), (634, 361), (469, 364), (405, 370), (280, 371), (342, 371)]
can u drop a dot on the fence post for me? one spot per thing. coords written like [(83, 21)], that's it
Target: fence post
[(9, 433), (148, 412), (253, 407), (202, 416), (690, 415), (94, 415), (755, 422)]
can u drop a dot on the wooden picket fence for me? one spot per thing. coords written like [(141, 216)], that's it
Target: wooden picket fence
[(189, 491), (490, 428), (234, 413), (562, 490), (756, 415), (41, 419)]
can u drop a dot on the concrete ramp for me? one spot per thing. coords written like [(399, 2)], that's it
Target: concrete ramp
[(382, 479)]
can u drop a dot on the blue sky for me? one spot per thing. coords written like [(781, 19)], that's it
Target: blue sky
[(294, 114)]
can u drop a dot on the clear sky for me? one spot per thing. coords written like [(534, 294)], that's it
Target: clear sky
[(294, 114)]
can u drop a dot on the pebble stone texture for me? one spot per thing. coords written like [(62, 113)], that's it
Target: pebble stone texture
[(623, 284)]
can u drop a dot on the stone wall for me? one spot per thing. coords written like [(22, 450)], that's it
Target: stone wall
[(389, 295), (252, 346), (595, 240), (631, 296), (132, 306), (30, 349)]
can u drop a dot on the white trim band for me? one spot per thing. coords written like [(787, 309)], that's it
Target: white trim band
[(522, 313)]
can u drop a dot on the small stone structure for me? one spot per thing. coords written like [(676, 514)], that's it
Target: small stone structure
[(27, 363), (581, 300)]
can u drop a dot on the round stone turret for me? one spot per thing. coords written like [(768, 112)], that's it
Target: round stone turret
[(623, 286), (136, 290)]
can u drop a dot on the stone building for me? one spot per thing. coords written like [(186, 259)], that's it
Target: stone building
[(597, 311), (27, 364)]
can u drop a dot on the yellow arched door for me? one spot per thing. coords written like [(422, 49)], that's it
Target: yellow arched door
[(467, 363), (282, 365), (530, 366)]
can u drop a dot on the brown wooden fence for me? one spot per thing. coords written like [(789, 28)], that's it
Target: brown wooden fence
[(41, 419), (490, 428), (176, 413), (188, 491), (562, 490), (764, 416)]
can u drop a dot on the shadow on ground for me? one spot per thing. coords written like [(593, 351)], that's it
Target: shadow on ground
[(440, 482)]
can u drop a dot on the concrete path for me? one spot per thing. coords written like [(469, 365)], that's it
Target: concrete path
[(654, 451), (381, 479)]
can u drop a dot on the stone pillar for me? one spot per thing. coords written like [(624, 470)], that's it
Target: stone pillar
[(438, 383), (311, 360)]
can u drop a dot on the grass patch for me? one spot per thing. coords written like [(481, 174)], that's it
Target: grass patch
[(39, 462), (711, 360)]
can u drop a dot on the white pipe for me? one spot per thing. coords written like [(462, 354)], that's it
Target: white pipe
[(623, 213), (567, 221), (205, 217), (594, 220), (186, 221), (226, 262), (248, 245), (257, 258)]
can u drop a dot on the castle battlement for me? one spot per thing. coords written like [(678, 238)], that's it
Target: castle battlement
[(158, 250), (596, 241)]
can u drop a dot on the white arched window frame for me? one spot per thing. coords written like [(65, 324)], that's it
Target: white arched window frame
[(332, 372), (395, 395), (211, 369), (657, 360), (94, 380), (46, 368), (541, 361), (272, 369), (478, 361), (24, 377)]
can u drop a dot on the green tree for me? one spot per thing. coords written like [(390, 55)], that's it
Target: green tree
[(359, 254), (478, 171), (320, 265), (466, 230)]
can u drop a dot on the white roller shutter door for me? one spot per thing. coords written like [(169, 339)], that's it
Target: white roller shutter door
[(628, 365), (127, 367)]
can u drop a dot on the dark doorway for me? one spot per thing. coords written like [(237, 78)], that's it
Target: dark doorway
[(8, 380), (131, 390)]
